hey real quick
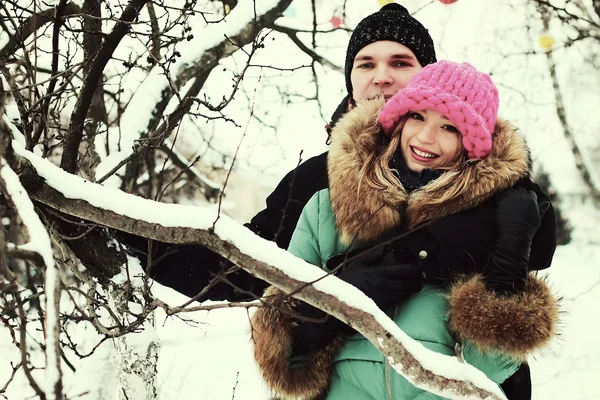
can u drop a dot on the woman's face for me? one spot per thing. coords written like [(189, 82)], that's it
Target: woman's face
[(381, 69), (429, 140)]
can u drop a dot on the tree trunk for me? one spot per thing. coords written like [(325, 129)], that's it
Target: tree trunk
[(582, 167)]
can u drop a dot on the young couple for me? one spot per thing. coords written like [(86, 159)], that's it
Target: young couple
[(417, 150)]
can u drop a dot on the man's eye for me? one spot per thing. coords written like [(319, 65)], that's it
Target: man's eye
[(402, 64), (365, 65)]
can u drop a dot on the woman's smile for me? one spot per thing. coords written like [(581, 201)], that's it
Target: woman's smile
[(422, 155)]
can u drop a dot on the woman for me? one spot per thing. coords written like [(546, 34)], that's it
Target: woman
[(436, 166)]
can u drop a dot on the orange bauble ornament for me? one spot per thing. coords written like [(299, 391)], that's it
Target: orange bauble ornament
[(448, 1)]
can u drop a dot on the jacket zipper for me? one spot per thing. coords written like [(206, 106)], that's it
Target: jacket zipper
[(388, 370), (388, 381)]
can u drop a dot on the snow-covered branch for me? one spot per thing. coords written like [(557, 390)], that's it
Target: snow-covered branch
[(173, 223), (38, 242), (34, 231)]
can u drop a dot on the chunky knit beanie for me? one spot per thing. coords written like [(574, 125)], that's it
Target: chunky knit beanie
[(394, 23), (462, 94)]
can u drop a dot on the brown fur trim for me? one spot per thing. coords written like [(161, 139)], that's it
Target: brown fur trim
[(272, 334), (363, 213), (516, 325)]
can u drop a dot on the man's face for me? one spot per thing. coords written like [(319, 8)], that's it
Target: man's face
[(381, 69)]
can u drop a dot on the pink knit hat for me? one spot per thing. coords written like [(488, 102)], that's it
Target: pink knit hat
[(462, 94)]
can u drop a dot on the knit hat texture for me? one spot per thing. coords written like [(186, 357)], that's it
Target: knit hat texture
[(467, 97), (392, 22)]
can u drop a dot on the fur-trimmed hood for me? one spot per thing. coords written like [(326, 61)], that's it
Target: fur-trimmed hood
[(363, 213)]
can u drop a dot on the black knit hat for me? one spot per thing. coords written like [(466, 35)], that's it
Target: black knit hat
[(394, 23)]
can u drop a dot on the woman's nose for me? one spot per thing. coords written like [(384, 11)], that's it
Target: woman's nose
[(427, 134)]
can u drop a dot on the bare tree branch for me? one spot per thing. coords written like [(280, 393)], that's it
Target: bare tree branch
[(208, 187), (155, 32), (68, 161), (293, 35), (32, 24), (92, 40), (201, 68), (43, 126), (156, 139), (23, 347)]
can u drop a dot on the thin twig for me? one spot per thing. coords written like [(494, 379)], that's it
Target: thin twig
[(236, 153)]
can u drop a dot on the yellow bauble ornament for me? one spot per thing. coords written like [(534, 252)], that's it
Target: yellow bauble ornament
[(546, 42), (384, 2)]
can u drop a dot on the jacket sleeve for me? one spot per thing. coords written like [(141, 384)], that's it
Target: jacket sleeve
[(278, 220), (544, 241), (290, 376), (515, 325), (304, 243), (189, 268)]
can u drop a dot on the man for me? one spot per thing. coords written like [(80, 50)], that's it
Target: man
[(386, 49)]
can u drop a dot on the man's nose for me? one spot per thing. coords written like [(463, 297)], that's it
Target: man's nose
[(383, 76)]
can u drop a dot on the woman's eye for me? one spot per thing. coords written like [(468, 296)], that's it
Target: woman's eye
[(402, 64), (451, 128), (365, 65), (415, 115)]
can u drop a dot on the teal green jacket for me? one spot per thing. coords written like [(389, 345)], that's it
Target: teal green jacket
[(359, 368)]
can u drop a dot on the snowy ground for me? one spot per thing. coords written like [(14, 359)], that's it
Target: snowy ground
[(213, 360)]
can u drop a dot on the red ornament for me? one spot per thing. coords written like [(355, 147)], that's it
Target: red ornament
[(448, 1), (336, 21)]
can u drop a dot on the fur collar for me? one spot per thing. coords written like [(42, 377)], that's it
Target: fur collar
[(363, 213)]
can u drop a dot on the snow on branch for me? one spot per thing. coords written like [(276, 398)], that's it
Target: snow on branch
[(38, 242), (434, 372)]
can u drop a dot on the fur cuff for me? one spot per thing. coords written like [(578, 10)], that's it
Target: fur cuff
[(272, 335), (515, 325)]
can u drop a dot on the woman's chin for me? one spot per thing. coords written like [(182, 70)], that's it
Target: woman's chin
[(415, 167)]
